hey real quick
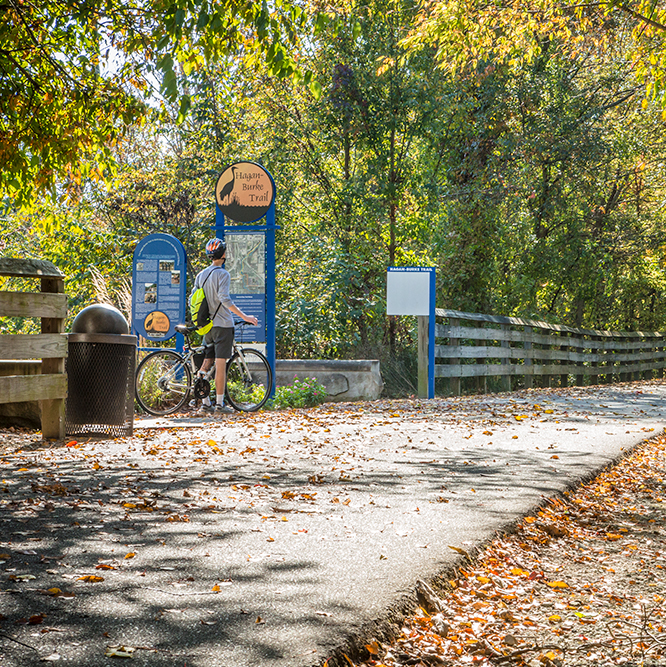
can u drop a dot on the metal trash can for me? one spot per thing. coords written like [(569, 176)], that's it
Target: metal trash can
[(100, 376)]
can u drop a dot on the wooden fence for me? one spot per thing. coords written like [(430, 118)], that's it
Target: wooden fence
[(50, 305), (538, 353)]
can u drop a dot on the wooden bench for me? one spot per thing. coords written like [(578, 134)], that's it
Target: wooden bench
[(50, 305)]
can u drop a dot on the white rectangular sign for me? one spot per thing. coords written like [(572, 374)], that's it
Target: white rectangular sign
[(408, 291)]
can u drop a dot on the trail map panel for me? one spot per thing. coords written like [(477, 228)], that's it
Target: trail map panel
[(246, 263)]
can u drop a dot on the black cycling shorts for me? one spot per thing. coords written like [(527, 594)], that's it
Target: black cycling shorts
[(222, 339)]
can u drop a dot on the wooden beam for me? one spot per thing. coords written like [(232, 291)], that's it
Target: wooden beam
[(32, 304), (17, 388), (33, 346)]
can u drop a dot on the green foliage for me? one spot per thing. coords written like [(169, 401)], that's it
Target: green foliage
[(301, 394), (75, 75), (532, 177)]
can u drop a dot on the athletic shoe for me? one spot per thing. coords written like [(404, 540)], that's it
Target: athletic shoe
[(224, 409)]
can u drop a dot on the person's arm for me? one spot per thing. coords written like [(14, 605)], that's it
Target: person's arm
[(251, 319), (225, 300)]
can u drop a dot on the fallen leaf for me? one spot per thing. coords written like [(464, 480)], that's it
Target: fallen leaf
[(130, 555), (557, 584), (91, 578), (459, 550), (119, 652), (373, 648)]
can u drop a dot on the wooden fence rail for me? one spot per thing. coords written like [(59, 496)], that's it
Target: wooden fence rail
[(479, 346), (50, 305)]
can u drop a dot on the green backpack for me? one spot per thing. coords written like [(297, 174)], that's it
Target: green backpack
[(200, 311)]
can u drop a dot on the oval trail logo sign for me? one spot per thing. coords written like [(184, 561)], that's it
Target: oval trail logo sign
[(244, 192)]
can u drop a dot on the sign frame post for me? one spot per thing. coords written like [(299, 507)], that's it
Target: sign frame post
[(410, 290)]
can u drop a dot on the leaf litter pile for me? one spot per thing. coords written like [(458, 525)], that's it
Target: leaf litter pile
[(580, 582)]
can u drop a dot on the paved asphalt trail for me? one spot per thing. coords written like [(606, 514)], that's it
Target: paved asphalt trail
[(267, 539)]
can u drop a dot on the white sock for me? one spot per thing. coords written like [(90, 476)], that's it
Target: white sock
[(206, 400), (220, 399)]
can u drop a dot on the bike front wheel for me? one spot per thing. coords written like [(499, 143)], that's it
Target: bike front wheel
[(163, 382), (249, 380)]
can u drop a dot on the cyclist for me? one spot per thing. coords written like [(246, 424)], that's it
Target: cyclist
[(216, 280)]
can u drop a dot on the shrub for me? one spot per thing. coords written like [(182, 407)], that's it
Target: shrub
[(302, 394)]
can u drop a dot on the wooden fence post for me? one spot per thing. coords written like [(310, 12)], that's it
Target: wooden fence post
[(53, 410), (529, 378), (454, 382), (505, 380), (610, 362), (580, 349), (594, 379), (564, 377)]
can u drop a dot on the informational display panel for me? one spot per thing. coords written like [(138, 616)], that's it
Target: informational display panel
[(246, 263), (158, 286), (408, 290)]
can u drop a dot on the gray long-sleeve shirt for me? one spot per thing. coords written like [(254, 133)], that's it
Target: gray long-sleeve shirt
[(216, 289)]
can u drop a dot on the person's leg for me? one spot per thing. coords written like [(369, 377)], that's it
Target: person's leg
[(224, 339), (220, 379)]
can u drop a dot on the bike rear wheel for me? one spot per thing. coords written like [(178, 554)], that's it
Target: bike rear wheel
[(163, 382), (249, 380)]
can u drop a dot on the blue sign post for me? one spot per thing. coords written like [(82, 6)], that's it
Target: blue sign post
[(410, 290), (158, 287), (244, 194)]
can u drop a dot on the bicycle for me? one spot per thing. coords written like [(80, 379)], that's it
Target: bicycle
[(164, 378)]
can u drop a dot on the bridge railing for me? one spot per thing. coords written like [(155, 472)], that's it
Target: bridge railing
[(533, 353)]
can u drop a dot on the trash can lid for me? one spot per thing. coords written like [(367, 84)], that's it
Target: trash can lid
[(100, 318)]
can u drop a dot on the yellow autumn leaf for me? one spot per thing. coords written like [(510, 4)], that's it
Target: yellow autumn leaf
[(130, 506), (613, 536), (554, 618), (216, 588), (91, 578), (130, 555), (557, 584), (373, 648), (548, 412)]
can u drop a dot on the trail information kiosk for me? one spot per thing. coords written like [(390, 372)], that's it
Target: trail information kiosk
[(244, 199), (158, 286)]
